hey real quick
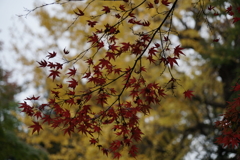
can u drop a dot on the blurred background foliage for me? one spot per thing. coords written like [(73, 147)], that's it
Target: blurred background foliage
[(177, 128)]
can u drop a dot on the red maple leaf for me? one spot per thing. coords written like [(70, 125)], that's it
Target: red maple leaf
[(93, 141), (150, 5), (117, 155), (171, 61), (54, 74), (216, 40), (73, 83), (117, 70), (156, 1), (51, 55), (32, 98), (122, 7), (188, 94), (38, 114), (210, 7), (47, 118), (152, 51), (236, 19), (125, 47), (105, 151), (93, 39), (51, 65), (236, 87), (36, 127), (117, 16), (87, 75), (65, 51), (91, 23), (161, 92), (43, 63), (104, 63), (89, 61), (72, 72), (165, 2), (115, 145), (133, 151), (79, 13), (177, 51), (166, 38), (106, 9)]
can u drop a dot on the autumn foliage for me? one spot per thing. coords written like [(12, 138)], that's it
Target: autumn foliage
[(70, 104)]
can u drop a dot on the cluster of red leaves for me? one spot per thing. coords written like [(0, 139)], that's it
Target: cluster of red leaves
[(100, 75), (229, 125), (229, 10)]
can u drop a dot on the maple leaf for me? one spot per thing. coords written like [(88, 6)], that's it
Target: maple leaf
[(146, 23), (152, 51), (93, 39), (68, 130), (150, 5), (65, 51), (102, 99), (125, 47), (157, 45), (91, 23), (236, 87), (93, 141), (47, 118), (54, 74), (171, 61), (100, 44), (43, 63), (117, 16), (216, 40), (73, 83), (89, 61), (165, 2), (27, 109), (51, 55), (97, 129), (236, 19), (58, 65), (161, 92), (136, 133), (113, 47), (210, 7), (117, 155), (36, 127), (32, 98), (133, 151), (79, 13), (113, 91), (229, 9), (156, 1), (115, 145), (51, 65), (151, 60), (132, 15), (38, 114), (106, 9), (177, 51), (105, 151), (122, 7), (104, 63), (72, 72), (117, 71), (87, 75), (166, 38), (188, 94)]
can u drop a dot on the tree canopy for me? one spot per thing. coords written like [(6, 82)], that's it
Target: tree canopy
[(147, 77)]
